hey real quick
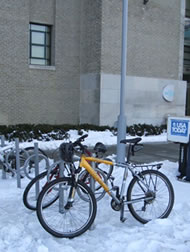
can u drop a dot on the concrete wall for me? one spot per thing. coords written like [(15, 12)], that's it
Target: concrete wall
[(90, 60), (144, 100), (154, 60)]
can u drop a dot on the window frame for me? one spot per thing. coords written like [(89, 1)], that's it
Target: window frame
[(46, 45)]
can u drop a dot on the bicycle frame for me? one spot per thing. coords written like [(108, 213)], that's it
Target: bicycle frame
[(85, 164)]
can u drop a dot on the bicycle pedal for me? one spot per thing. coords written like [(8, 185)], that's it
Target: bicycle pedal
[(115, 188), (111, 178)]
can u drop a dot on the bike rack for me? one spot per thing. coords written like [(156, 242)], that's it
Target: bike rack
[(17, 150), (92, 186), (2, 140), (17, 163), (2, 145), (36, 156)]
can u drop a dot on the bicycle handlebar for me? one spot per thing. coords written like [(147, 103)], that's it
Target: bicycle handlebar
[(79, 140)]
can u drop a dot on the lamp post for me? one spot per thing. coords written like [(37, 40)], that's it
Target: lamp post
[(121, 126)]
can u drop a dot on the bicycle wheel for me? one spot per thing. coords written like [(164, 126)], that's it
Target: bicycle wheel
[(64, 218), (107, 169), (99, 191), (30, 168), (30, 196), (10, 159), (7, 171), (158, 188)]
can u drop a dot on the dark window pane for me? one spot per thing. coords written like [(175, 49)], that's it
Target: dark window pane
[(48, 39), (47, 53)]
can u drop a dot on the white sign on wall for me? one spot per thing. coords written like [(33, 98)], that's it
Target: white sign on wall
[(168, 93)]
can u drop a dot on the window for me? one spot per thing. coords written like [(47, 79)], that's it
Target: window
[(187, 9), (40, 44), (187, 46)]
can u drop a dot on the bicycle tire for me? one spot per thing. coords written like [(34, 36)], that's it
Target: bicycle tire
[(10, 160), (31, 148), (161, 187), (29, 195), (99, 191), (84, 211)]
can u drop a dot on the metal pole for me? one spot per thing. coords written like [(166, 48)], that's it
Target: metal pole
[(2, 140), (61, 193), (187, 173), (92, 187), (121, 134), (17, 163), (36, 160), (2, 145), (4, 176)]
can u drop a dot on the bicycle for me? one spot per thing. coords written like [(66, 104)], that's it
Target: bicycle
[(150, 194), (8, 160), (53, 172)]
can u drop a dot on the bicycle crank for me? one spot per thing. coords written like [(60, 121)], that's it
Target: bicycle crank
[(115, 206)]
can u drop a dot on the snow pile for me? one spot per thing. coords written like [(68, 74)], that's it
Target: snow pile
[(20, 230)]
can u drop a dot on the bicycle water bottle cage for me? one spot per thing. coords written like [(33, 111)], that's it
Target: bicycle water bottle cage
[(100, 147), (66, 152)]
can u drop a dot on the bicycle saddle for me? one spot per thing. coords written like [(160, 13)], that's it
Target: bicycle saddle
[(131, 140)]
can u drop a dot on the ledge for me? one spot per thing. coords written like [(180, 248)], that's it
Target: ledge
[(41, 67)]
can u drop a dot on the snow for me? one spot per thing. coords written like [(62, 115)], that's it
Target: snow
[(20, 230), (107, 137)]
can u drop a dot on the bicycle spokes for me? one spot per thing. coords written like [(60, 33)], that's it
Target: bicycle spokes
[(150, 197)]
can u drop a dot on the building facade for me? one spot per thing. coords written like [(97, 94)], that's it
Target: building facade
[(61, 61)]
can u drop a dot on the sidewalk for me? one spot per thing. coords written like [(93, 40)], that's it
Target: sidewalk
[(158, 151)]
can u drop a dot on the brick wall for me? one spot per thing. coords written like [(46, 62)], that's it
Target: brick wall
[(153, 38), (86, 44), (39, 94)]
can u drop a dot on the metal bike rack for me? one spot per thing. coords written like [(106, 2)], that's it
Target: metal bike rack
[(37, 185), (16, 150), (17, 163), (61, 197), (36, 161), (2, 137), (35, 156), (92, 186)]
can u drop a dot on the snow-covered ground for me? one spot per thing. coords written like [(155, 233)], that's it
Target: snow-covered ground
[(20, 230)]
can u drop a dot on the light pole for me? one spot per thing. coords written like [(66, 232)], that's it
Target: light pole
[(121, 126)]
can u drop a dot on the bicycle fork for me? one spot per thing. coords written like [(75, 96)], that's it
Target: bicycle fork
[(70, 199)]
